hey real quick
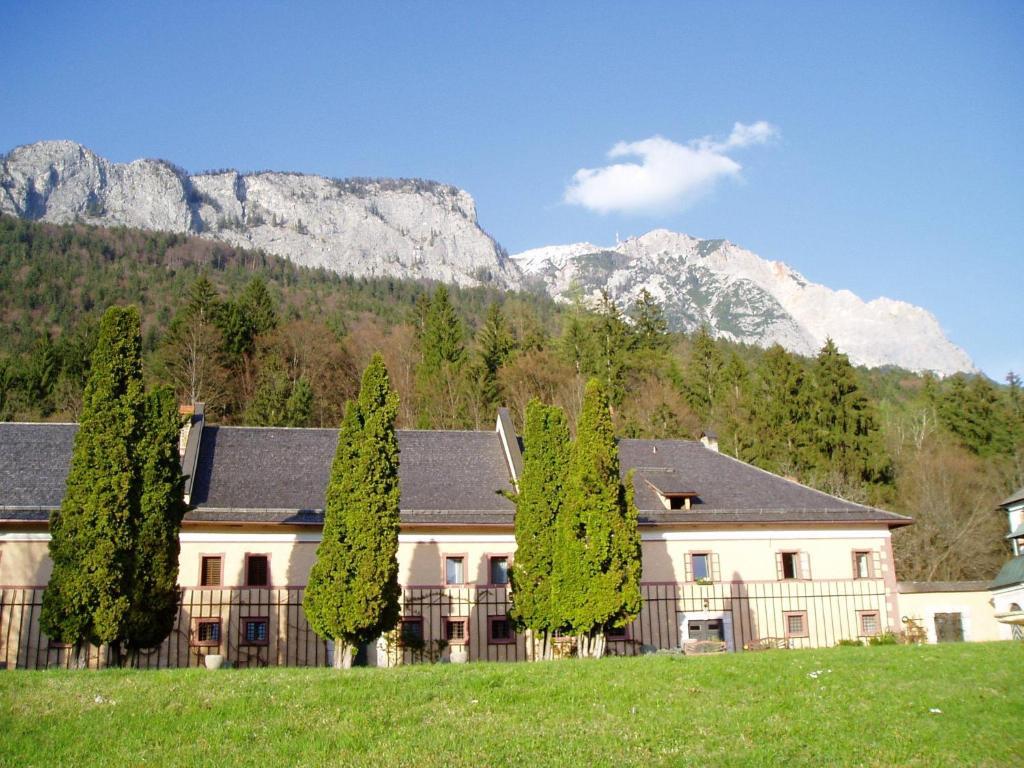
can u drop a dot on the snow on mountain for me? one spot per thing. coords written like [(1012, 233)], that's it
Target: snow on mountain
[(743, 297)]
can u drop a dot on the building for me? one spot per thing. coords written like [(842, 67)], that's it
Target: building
[(731, 553), (1008, 587)]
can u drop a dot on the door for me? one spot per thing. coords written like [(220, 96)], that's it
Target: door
[(949, 628), (706, 629)]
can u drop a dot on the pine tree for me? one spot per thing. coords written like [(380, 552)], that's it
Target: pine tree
[(596, 565), (442, 354), (649, 323), (92, 535), (153, 590), (703, 375), (779, 409), (541, 488), (845, 432), (353, 592), (495, 348), (299, 408), (269, 406)]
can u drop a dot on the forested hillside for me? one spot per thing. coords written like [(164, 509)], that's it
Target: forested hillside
[(266, 343)]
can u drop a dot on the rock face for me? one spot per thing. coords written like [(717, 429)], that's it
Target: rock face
[(419, 229), (743, 297), (366, 228)]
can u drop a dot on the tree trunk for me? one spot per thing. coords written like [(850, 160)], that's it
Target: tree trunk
[(342, 654), (81, 655), (597, 644)]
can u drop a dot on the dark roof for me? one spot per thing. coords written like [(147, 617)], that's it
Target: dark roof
[(34, 463), (911, 587), (268, 474), (731, 491), (1014, 497), (1010, 574), (274, 475), (667, 481)]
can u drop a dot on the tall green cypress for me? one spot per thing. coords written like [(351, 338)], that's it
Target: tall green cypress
[(92, 535), (541, 488), (153, 589), (353, 593), (596, 571)]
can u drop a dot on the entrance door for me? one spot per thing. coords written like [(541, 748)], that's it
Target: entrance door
[(949, 628), (706, 629)]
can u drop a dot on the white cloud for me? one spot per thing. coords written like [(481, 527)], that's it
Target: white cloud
[(668, 176)]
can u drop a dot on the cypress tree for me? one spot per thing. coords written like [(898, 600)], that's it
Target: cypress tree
[(538, 502), (353, 592), (596, 572), (92, 535), (153, 591)]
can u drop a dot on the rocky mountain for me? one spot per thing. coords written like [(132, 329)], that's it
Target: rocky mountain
[(743, 297), (363, 227), (419, 229)]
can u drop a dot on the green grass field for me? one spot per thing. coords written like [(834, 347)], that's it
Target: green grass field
[(843, 706)]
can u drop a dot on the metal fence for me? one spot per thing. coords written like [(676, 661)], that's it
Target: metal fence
[(267, 627)]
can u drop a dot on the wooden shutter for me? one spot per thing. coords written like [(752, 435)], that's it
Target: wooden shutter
[(211, 572), (853, 564), (716, 570), (875, 560), (687, 567), (805, 566), (780, 572)]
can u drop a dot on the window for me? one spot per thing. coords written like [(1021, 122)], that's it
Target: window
[(456, 631), (499, 630), (206, 632), (255, 631), (700, 566), (677, 502), (869, 623), (211, 571), (411, 631), (498, 567), (790, 565), (862, 565), (796, 623), (257, 571), (455, 569)]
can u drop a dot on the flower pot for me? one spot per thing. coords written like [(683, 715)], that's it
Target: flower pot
[(214, 660)]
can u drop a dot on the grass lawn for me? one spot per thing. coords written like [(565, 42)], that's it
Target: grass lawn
[(842, 706)]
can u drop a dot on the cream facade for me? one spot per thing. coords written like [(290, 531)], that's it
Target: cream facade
[(730, 552)]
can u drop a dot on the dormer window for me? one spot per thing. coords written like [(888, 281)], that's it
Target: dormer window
[(672, 490)]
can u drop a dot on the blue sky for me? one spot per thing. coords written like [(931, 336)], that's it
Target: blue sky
[(890, 159)]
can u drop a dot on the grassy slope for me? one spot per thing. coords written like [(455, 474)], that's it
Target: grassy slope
[(870, 708)]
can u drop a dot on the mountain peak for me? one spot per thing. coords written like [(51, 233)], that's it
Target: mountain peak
[(745, 298)]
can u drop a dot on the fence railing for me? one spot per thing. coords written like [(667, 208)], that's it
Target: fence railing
[(267, 627)]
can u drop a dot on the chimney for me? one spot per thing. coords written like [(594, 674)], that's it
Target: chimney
[(710, 440)]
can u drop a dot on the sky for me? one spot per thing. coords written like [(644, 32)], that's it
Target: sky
[(876, 147)]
